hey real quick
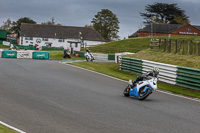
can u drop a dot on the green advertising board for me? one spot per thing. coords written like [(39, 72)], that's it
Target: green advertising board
[(41, 55), (9, 54)]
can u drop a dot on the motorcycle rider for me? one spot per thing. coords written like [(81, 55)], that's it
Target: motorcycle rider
[(153, 73), (88, 51)]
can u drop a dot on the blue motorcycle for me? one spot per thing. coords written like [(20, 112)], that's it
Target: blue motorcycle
[(142, 89)]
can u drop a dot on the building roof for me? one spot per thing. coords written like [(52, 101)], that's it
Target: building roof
[(62, 32), (134, 34), (162, 28)]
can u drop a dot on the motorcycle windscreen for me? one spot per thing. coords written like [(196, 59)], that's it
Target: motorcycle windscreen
[(134, 92)]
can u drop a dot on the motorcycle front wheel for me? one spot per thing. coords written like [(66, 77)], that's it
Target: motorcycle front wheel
[(127, 91)]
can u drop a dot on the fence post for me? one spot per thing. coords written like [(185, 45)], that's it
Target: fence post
[(199, 48), (191, 48), (176, 46), (170, 45)]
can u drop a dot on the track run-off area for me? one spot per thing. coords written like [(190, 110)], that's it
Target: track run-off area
[(42, 96)]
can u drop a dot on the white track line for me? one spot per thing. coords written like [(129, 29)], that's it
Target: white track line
[(169, 93), (11, 127)]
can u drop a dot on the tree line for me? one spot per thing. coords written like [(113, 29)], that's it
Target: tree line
[(106, 23)]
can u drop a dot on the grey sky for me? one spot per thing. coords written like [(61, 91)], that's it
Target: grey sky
[(81, 12)]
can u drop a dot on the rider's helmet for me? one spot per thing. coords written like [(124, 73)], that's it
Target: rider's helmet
[(155, 71), (87, 50)]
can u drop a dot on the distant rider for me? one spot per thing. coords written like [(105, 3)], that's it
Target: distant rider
[(153, 73)]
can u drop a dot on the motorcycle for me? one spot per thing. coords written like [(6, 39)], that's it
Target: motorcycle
[(89, 57), (142, 89), (66, 54)]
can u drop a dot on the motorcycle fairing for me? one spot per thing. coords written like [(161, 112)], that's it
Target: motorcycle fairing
[(134, 92)]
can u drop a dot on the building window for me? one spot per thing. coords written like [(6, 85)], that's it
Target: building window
[(76, 45), (61, 40), (45, 39), (188, 30), (28, 38)]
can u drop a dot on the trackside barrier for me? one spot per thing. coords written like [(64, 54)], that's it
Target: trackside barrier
[(188, 77), (1, 50), (41, 55), (97, 56), (118, 56), (24, 54), (23, 47), (131, 65), (167, 72), (9, 54), (176, 75), (100, 56)]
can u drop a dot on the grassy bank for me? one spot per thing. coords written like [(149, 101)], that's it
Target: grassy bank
[(168, 58), (112, 69)]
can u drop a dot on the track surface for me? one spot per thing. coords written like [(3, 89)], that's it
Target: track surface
[(40, 96)]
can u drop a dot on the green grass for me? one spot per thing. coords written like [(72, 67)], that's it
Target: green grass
[(131, 45), (168, 58), (112, 69), (4, 129), (139, 43), (3, 46)]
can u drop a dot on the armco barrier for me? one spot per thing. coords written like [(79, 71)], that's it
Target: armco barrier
[(188, 77), (167, 72), (131, 65), (97, 56), (9, 54), (111, 57), (176, 75), (41, 55), (100, 56)]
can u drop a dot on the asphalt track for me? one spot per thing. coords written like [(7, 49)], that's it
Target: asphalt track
[(40, 96)]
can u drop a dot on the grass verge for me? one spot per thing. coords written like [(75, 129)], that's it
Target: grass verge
[(112, 69), (4, 129), (3, 46)]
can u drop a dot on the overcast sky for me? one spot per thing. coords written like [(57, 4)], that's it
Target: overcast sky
[(81, 12)]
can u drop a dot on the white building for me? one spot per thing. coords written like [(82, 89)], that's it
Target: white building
[(58, 36)]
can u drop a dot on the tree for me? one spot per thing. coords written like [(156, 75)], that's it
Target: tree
[(165, 13), (106, 24), (7, 26), (16, 25), (51, 22)]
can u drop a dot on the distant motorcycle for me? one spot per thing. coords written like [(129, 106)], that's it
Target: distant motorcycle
[(89, 56), (142, 89), (66, 54)]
